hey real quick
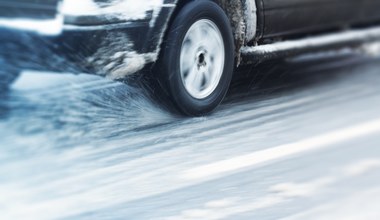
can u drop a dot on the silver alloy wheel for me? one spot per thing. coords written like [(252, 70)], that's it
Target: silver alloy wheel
[(202, 59)]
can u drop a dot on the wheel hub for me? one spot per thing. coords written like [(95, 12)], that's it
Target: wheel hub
[(201, 75), (201, 59)]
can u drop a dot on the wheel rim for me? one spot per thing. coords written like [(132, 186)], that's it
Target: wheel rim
[(202, 59)]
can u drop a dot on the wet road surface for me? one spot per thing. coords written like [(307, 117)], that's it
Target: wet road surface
[(298, 140)]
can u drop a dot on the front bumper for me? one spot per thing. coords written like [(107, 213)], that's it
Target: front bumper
[(90, 49)]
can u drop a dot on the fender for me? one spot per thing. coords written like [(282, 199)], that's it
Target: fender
[(251, 19), (243, 15), (243, 18)]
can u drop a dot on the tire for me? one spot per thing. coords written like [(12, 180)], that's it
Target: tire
[(7, 77), (196, 62)]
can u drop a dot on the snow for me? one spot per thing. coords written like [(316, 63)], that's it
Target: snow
[(251, 19), (372, 49), (95, 149), (46, 27), (360, 35)]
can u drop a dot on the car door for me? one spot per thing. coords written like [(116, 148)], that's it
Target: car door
[(370, 11), (285, 17)]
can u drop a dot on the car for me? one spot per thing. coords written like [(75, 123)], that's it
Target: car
[(191, 46)]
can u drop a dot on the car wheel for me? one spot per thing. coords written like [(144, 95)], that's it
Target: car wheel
[(197, 59)]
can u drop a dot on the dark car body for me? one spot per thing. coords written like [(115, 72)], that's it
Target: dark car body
[(109, 43), (305, 16), (114, 45)]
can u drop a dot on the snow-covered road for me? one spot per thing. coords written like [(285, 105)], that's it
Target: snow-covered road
[(298, 140)]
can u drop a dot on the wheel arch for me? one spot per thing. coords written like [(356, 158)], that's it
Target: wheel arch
[(242, 15)]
